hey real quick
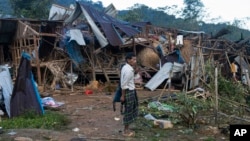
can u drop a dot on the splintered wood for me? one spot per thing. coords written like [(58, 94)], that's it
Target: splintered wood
[(57, 68)]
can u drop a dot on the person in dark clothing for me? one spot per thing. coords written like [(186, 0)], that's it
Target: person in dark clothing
[(129, 96)]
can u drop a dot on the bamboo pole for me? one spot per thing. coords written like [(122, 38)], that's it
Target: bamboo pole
[(241, 72), (169, 85), (201, 57), (134, 45), (247, 77), (36, 45), (71, 76), (103, 70), (169, 81), (162, 91), (216, 95), (92, 56), (228, 60), (28, 27), (195, 70)]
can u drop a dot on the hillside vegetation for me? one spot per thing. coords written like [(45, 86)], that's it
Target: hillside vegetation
[(137, 13)]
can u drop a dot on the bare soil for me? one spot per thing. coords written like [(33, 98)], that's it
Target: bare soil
[(93, 119)]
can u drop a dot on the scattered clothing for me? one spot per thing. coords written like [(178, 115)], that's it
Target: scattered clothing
[(50, 102)]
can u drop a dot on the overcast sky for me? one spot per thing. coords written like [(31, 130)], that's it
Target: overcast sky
[(225, 10)]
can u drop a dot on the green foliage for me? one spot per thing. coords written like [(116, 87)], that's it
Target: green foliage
[(50, 120), (189, 108), (131, 16), (5, 7), (226, 88), (159, 17), (146, 131), (230, 89), (144, 110), (35, 9), (210, 139), (135, 14), (230, 93), (193, 10)]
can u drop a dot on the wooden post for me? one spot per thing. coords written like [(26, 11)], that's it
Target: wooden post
[(169, 81), (71, 78), (247, 77), (162, 91), (36, 45), (201, 57), (240, 67), (93, 59), (216, 95), (1, 54), (103, 70), (228, 60), (195, 70), (134, 45)]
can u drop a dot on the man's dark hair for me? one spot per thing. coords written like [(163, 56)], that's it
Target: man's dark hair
[(130, 55)]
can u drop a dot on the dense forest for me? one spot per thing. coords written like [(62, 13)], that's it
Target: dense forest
[(191, 15)]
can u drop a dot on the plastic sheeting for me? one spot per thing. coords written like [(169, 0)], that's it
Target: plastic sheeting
[(25, 96), (76, 35), (73, 49), (7, 87)]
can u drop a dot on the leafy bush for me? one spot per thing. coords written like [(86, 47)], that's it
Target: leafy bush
[(189, 108), (50, 120), (231, 90)]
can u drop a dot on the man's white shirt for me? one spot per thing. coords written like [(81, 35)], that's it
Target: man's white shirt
[(127, 77)]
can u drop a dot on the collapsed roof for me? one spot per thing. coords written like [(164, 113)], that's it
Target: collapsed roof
[(113, 29)]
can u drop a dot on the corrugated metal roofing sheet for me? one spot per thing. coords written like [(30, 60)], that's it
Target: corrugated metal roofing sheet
[(112, 28)]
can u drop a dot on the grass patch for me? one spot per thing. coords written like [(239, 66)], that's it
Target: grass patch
[(50, 120)]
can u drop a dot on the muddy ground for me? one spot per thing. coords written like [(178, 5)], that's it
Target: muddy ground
[(93, 119)]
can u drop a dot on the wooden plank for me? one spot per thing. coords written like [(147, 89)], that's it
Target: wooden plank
[(111, 62), (37, 61), (28, 27), (103, 70), (48, 34)]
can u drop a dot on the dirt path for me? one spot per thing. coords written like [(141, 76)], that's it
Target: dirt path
[(92, 118)]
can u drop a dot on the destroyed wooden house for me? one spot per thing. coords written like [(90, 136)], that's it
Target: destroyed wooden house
[(86, 45), (24, 35)]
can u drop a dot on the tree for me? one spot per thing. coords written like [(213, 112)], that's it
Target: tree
[(5, 7), (193, 10), (37, 9), (135, 13)]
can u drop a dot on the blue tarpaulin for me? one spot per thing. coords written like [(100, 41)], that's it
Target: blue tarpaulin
[(25, 96), (73, 49)]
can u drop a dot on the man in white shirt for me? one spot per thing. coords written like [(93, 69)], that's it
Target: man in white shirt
[(129, 97)]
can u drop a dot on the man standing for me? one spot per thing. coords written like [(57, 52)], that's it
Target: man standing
[(129, 97)]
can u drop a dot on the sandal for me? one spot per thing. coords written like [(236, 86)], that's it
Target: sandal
[(129, 134)]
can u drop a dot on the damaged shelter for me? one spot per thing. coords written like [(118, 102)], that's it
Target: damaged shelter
[(82, 45)]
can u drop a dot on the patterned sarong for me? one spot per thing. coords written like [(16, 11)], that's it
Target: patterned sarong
[(131, 107)]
